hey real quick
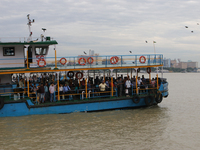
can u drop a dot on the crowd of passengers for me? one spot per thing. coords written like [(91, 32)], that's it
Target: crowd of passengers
[(44, 88)]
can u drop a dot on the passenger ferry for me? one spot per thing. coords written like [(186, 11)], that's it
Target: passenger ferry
[(83, 83)]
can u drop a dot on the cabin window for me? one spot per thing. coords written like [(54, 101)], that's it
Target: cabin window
[(41, 50), (8, 51)]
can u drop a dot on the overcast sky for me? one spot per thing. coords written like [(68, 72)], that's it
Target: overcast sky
[(109, 26)]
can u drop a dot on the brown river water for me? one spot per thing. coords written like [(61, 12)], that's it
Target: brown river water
[(174, 124)]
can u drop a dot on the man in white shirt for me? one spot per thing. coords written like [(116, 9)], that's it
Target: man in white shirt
[(52, 90), (128, 87)]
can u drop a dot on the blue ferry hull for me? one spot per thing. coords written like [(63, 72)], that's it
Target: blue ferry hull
[(22, 109)]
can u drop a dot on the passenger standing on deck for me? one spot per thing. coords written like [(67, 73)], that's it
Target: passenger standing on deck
[(128, 87), (42, 93), (61, 91), (66, 90), (120, 85), (139, 82), (21, 88), (46, 90), (102, 87), (52, 90)]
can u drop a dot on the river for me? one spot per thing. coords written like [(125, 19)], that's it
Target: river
[(173, 124)]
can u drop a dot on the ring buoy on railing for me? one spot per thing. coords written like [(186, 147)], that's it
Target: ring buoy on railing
[(149, 100), (70, 74), (41, 62), (138, 70), (1, 103), (114, 59), (142, 59), (136, 99), (148, 70), (79, 61), (90, 60), (63, 61), (159, 98), (79, 75)]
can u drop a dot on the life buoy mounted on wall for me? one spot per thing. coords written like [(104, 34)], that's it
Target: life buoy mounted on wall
[(63, 61), (79, 61), (70, 74), (79, 75), (114, 60), (41, 62), (148, 70), (142, 59), (90, 60)]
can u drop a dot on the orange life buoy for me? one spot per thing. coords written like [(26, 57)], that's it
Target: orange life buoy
[(148, 70), (63, 59), (41, 60), (90, 60), (79, 61), (142, 61), (79, 76), (114, 59)]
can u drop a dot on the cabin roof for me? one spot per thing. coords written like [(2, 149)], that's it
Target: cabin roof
[(30, 43)]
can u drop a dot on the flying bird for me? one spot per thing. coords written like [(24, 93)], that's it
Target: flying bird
[(186, 26), (191, 31), (146, 41), (84, 52), (130, 51), (197, 23)]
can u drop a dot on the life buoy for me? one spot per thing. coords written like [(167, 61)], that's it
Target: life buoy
[(142, 59), (41, 60), (148, 70), (136, 99), (149, 100), (79, 75), (1, 103), (114, 59), (63, 61), (138, 70), (159, 98), (70, 74), (90, 60), (79, 61)]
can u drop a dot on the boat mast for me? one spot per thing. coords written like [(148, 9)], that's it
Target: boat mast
[(29, 26)]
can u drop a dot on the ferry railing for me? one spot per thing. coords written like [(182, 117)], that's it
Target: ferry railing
[(81, 62)]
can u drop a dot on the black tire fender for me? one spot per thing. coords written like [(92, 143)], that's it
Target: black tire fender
[(1, 103), (149, 100), (159, 98), (136, 99)]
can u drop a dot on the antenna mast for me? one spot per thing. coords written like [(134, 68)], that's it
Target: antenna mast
[(29, 26)]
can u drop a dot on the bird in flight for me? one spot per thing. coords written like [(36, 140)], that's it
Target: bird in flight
[(186, 26), (130, 51), (84, 52), (146, 41)]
